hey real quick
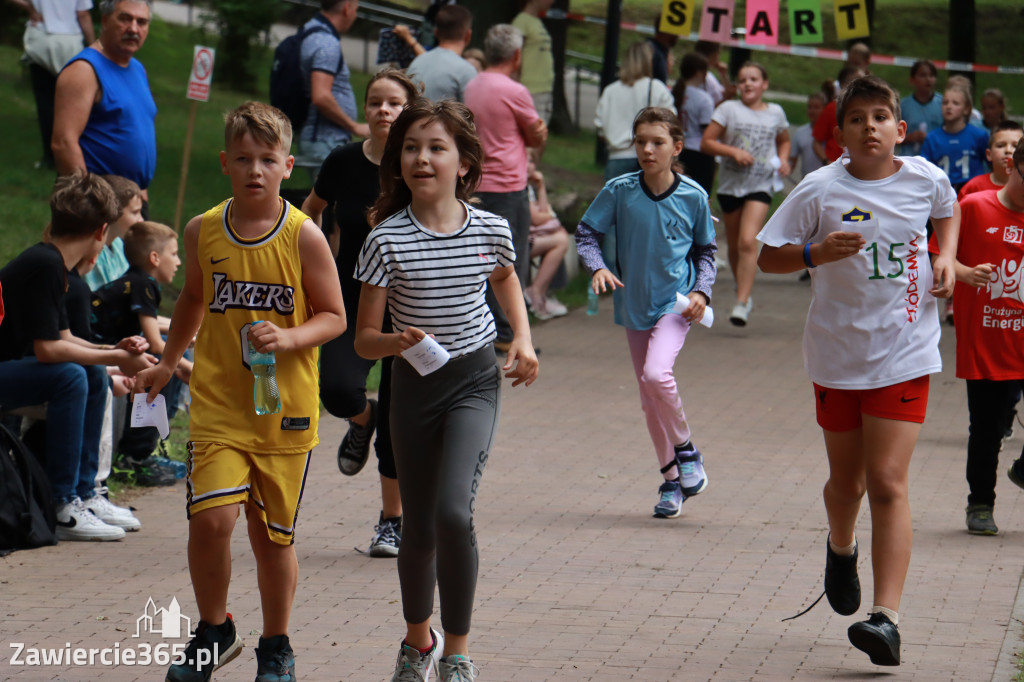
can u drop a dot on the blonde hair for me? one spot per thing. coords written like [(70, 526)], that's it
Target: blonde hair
[(637, 63), (143, 239), (265, 123), (963, 86)]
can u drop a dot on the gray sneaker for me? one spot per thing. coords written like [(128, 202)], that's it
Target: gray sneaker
[(456, 668), (412, 666), (980, 521)]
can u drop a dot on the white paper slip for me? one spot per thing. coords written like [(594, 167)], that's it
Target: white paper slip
[(683, 303), (150, 414), (426, 356)]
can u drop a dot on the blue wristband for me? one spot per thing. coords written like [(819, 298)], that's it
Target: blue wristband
[(807, 255)]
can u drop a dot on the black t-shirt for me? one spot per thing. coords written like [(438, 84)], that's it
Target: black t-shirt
[(116, 306), (78, 302), (35, 285), (350, 182)]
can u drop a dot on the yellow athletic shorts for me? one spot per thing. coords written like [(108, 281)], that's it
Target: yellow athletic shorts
[(219, 475)]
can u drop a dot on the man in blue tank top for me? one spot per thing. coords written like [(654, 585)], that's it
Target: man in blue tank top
[(104, 111)]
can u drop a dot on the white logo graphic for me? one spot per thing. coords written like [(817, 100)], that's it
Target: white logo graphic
[(1012, 234), (992, 230), (1005, 281), (163, 622)]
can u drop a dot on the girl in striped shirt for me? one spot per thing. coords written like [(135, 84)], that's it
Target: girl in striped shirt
[(429, 263)]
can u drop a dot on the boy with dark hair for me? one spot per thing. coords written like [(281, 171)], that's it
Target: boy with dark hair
[(442, 71), (871, 337), (1001, 145), (41, 361), (258, 274), (989, 319)]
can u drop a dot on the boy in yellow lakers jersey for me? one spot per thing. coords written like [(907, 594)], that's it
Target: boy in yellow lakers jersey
[(254, 257)]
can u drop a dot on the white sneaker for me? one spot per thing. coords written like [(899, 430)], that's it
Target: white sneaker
[(555, 307), (412, 666), (740, 312), (75, 522), (112, 515)]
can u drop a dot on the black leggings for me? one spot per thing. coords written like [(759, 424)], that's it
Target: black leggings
[(989, 406), (343, 375), (447, 421)]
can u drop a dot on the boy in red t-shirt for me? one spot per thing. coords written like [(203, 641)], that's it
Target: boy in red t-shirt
[(1001, 144), (989, 331)]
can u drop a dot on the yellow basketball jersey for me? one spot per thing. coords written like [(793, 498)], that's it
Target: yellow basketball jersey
[(245, 280)]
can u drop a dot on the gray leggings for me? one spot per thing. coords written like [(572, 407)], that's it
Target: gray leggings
[(442, 429)]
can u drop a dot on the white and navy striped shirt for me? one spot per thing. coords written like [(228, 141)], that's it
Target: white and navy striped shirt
[(436, 282)]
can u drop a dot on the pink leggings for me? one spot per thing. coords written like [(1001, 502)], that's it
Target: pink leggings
[(654, 353)]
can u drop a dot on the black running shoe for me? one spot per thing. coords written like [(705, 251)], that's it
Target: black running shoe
[(210, 647), (842, 586), (355, 446), (878, 637)]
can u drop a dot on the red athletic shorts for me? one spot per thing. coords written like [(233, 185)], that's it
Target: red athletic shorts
[(840, 410)]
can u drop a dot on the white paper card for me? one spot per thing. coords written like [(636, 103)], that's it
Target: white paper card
[(868, 228), (426, 356), (683, 303), (150, 414)]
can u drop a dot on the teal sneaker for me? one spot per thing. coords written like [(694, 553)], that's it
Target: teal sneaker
[(275, 661)]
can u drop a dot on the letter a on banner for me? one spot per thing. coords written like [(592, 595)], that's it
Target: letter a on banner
[(763, 22), (677, 17), (851, 19), (805, 22), (716, 24)]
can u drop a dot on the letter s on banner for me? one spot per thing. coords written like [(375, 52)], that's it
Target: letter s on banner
[(676, 17)]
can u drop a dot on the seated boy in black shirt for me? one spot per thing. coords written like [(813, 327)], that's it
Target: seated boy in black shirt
[(128, 306), (41, 361)]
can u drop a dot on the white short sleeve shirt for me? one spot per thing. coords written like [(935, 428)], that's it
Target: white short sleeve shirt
[(871, 321)]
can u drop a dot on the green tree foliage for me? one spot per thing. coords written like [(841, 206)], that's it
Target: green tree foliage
[(240, 24)]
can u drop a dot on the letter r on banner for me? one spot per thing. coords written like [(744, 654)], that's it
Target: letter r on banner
[(851, 19), (763, 22), (677, 17), (716, 24), (805, 22)]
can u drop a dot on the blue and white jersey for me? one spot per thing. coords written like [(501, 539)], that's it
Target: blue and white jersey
[(653, 239), (961, 156)]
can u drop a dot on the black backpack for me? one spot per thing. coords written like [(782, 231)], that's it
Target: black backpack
[(27, 516), (287, 86)]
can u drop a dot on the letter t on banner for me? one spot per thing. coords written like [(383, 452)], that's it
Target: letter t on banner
[(716, 24), (851, 19), (677, 17), (805, 22), (763, 22)]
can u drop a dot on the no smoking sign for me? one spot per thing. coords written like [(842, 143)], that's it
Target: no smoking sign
[(202, 74)]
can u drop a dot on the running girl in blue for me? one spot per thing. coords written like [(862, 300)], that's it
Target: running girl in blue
[(664, 244)]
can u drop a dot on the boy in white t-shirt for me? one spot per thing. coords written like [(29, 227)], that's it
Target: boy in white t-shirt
[(871, 337)]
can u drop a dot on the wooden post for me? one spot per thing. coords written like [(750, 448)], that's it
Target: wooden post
[(186, 155)]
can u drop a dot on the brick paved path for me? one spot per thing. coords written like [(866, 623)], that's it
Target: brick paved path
[(578, 582)]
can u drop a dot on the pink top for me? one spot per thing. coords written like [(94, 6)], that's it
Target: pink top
[(503, 109)]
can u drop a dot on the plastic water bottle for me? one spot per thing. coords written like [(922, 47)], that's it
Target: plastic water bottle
[(265, 395), (592, 301)]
